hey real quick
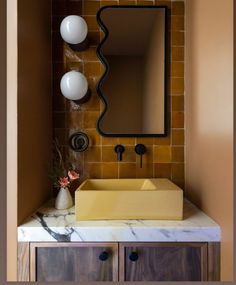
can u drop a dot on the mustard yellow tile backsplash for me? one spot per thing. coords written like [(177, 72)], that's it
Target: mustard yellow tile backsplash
[(145, 172), (177, 53), (162, 154), (165, 156), (127, 170), (110, 170), (178, 137), (177, 38), (90, 7), (162, 170), (178, 8), (127, 2)]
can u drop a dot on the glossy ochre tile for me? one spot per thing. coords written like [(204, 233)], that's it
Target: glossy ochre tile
[(90, 55), (93, 38), (108, 154), (109, 2), (162, 154), (177, 7), (178, 137), (177, 103), (129, 154), (145, 141), (93, 154), (163, 3), (92, 23), (177, 23), (127, 170), (74, 7), (90, 7), (162, 140), (162, 170), (92, 69), (177, 154), (147, 158), (177, 86), (145, 2), (94, 137), (93, 104), (74, 120), (177, 120), (127, 2), (110, 141), (90, 119), (126, 141), (177, 53), (177, 38), (93, 170), (110, 170), (145, 172), (177, 69), (165, 155), (178, 171)]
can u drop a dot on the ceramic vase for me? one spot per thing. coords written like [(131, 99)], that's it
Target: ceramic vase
[(64, 200)]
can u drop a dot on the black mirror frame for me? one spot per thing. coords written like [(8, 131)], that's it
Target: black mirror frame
[(106, 65)]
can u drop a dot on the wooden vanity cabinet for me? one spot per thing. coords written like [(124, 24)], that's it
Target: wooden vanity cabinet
[(81, 262), (163, 262), (77, 262)]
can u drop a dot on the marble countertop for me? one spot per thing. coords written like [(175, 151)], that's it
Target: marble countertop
[(48, 224)]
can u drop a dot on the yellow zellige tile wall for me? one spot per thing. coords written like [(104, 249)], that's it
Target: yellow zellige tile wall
[(165, 156)]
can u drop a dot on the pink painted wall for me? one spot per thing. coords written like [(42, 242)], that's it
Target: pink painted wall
[(209, 119)]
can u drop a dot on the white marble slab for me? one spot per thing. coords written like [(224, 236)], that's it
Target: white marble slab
[(49, 224)]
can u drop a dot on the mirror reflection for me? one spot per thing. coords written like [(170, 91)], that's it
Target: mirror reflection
[(134, 86)]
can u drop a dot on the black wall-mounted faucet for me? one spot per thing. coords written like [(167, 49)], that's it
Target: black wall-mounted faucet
[(140, 149), (119, 149)]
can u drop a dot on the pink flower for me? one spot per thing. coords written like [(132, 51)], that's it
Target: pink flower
[(64, 182), (73, 175)]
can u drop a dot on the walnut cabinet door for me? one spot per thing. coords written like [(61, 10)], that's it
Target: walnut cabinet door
[(77, 262), (163, 261), (135, 261)]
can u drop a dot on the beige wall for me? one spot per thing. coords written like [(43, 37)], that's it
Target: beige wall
[(11, 140), (34, 105), (3, 137), (28, 114), (209, 123)]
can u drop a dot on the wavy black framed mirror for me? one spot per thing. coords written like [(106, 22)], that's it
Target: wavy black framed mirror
[(133, 87)]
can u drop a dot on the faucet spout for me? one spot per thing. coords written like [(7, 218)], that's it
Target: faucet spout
[(140, 149)]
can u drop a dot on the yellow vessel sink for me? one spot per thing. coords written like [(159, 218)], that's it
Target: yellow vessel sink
[(122, 199)]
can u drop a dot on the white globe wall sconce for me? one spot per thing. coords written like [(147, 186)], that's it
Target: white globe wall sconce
[(74, 86), (74, 31)]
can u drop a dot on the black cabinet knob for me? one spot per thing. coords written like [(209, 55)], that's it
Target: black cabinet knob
[(133, 256), (104, 256)]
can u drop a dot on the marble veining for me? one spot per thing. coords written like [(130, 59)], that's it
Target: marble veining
[(49, 224)]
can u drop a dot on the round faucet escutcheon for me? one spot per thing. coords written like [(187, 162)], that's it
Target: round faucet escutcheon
[(119, 149), (140, 149)]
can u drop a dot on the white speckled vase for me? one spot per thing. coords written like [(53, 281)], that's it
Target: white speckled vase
[(64, 200)]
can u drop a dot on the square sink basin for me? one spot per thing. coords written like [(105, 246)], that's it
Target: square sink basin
[(128, 199)]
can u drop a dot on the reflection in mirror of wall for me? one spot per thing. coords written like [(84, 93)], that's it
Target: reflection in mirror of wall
[(134, 86)]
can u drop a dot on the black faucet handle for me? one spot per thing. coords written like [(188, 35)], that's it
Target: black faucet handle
[(140, 149), (119, 149)]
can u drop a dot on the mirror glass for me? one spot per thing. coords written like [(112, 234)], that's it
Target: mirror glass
[(133, 87)]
